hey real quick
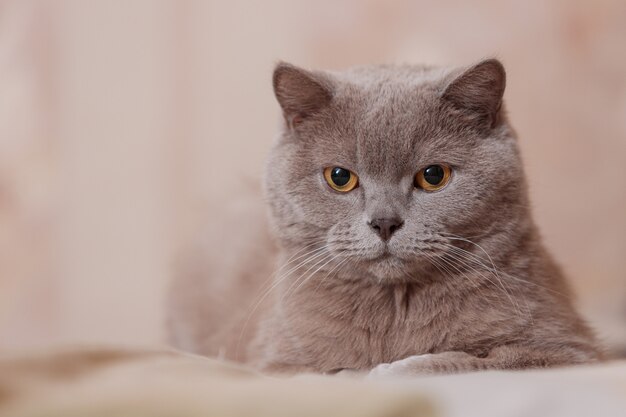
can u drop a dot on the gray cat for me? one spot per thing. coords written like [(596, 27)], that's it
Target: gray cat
[(400, 210)]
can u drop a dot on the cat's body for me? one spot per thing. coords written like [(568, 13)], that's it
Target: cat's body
[(389, 275)]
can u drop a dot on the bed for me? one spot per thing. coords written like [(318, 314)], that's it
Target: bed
[(131, 382)]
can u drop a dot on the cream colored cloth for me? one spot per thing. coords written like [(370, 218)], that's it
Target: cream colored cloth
[(119, 383), (112, 383)]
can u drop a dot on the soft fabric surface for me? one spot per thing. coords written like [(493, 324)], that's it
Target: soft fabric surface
[(104, 382)]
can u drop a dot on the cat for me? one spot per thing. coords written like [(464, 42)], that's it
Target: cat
[(402, 235)]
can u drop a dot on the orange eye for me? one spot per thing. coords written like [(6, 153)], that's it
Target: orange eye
[(341, 179), (433, 177)]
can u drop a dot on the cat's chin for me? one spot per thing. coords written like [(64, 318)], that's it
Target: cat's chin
[(389, 269)]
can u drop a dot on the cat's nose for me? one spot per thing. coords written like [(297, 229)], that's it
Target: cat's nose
[(386, 227)]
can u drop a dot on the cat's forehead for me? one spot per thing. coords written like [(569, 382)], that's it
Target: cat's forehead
[(386, 121)]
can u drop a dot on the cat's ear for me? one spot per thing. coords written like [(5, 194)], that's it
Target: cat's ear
[(478, 92), (300, 93)]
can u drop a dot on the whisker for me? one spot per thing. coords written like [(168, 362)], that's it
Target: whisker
[(311, 255), (467, 256), (476, 259), (442, 268), (324, 261), (335, 268), (462, 273), (495, 270), (289, 261), (479, 247), (514, 304)]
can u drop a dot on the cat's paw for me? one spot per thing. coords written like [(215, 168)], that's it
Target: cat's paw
[(413, 365)]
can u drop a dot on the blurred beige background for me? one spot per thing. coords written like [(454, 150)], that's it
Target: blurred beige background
[(121, 124)]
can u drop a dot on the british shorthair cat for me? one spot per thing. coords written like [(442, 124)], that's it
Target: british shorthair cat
[(401, 243)]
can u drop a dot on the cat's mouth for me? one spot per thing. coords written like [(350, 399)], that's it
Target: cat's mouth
[(386, 254), (385, 262)]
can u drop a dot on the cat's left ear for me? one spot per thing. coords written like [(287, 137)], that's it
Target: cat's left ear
[(478, 92), (300, 93)]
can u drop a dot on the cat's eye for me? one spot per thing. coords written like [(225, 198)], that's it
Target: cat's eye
[(433, 177), (341, 179)]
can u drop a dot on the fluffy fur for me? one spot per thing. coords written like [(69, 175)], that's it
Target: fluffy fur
[(464, 284)]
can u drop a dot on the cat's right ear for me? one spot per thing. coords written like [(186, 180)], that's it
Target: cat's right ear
[(300, 93), (478, 92)]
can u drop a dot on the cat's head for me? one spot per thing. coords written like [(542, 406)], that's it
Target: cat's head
[(379, 168)]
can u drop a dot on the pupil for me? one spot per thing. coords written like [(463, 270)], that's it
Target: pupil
[(434, 174), (340, 176)]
